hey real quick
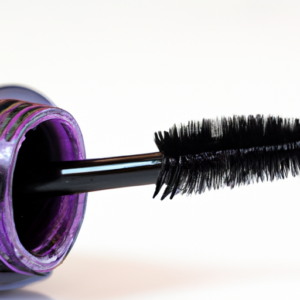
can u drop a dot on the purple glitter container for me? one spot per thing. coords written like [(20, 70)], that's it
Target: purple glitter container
[(30, 251)]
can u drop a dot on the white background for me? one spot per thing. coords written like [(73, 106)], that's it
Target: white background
[(125, 69)]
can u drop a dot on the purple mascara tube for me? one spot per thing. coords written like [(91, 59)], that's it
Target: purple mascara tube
[(36, 233)]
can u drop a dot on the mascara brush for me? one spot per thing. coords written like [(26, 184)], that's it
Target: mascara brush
[(200, 155)]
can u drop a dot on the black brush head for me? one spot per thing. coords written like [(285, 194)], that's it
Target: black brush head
[(227, 152)]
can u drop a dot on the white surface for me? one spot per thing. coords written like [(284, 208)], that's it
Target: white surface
[(125, 69)]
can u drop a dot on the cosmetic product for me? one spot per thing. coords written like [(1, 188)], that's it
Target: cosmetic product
[(36, 233), (45, 176)]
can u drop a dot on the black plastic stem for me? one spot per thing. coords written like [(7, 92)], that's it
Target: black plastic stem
[(73, 177)]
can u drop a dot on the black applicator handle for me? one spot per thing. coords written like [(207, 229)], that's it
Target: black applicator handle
[(73, 177)]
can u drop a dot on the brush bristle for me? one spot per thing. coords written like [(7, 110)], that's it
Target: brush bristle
[(228, 152)]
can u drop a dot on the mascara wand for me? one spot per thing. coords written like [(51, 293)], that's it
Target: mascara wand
[(201, 155)]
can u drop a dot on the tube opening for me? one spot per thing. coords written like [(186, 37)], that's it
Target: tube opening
[(42, 223)]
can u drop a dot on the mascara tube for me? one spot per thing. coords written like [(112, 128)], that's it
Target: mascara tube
[(36, 232)]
